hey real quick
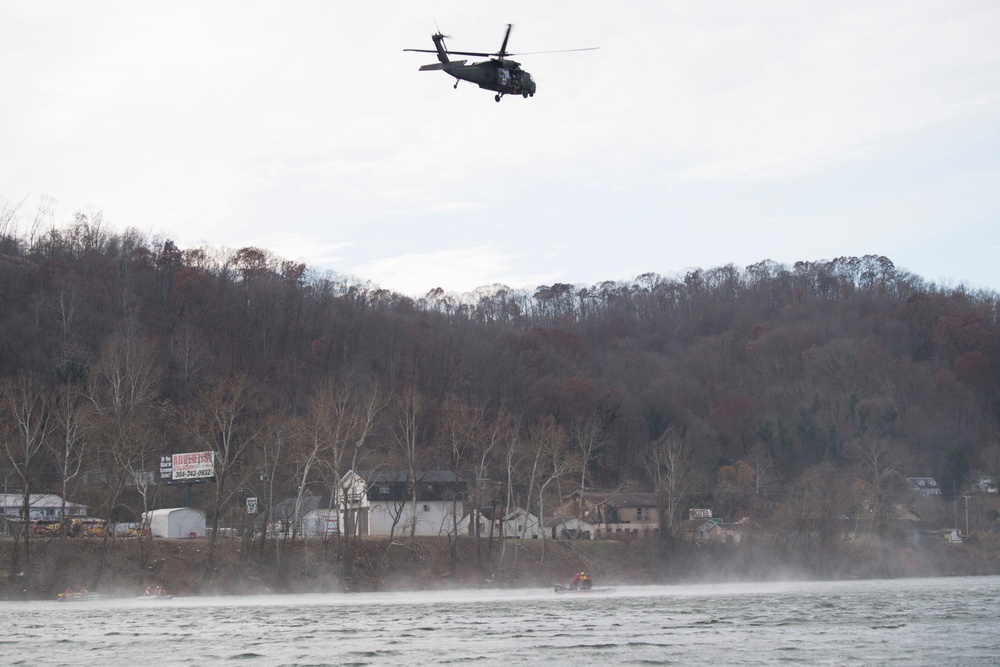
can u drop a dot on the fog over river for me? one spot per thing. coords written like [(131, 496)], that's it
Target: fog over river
[(943, 621)]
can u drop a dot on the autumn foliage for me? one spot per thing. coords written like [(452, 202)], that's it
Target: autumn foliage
[(770, 374)]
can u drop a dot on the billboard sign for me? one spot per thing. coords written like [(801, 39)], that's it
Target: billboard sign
[(189, 467), (700, 514), (166, 469)]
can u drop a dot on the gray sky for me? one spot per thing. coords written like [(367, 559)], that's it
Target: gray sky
[(700, 134)]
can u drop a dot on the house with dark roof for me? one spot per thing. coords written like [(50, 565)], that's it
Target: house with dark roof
[(924, 486), (431, 502), (613, 512)]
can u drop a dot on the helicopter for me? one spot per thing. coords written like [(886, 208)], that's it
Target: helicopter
[(499, 73)]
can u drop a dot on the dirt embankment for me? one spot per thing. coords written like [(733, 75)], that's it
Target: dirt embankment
[(126, 567)]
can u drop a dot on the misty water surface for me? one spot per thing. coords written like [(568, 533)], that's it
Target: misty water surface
[(946, 621)]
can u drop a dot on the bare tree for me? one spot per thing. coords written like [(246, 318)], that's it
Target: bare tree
[(879, 460), (670, 465), (122, 390), (550, 465), (189, 352), (333, 434), (765, 475), (461, 431), (497, 432), (269, 464), (811, 508), (407, 433), (588, 434), (72, 419), (224, 419), (26, 426)]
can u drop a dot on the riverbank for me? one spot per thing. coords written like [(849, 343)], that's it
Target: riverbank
[(124, 567)]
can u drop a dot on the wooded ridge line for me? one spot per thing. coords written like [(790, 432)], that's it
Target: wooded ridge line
[(785, 395)]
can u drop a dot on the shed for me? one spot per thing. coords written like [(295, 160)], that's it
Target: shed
[(175, 522), (566, 528)]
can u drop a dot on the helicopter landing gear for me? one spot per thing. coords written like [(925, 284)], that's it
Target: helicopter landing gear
[(497, 98), (456, 85), (525, 95)]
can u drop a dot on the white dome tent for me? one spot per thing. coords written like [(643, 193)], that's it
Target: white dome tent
[(177, 522)]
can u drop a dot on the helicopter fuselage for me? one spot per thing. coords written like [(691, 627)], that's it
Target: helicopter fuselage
[(502, 76)]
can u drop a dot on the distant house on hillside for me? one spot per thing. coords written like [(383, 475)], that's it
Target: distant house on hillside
[(613, 512), (912, 526), (924, 486), (986, 485)]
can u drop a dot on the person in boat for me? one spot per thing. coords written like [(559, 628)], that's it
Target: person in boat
[(581, 582)]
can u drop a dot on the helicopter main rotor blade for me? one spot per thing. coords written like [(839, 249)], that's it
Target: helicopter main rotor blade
[(503, 47), (535, 53), (457, 53), (439, 66)]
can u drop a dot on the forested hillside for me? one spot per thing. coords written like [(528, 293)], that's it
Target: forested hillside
[(760, 391)]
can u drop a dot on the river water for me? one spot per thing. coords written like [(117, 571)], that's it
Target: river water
[(944, 621)]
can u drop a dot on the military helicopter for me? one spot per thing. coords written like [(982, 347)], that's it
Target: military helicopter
[(499, 73)]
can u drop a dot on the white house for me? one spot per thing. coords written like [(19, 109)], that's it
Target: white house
[(985, 485), (438, 508), (516, 523), (924, 486), (319, 516), (175, 522), (565, 528), (324, 515), (40, 506)]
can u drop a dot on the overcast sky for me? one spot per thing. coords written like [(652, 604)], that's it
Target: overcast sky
[(702, 133)]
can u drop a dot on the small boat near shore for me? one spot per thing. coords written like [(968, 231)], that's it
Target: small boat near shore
[(78, 597), (585, 591)]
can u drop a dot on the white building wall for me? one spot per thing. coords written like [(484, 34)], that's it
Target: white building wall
[(431, 517), (522, 525), (175, 523), (41, 506), (322, 523)]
